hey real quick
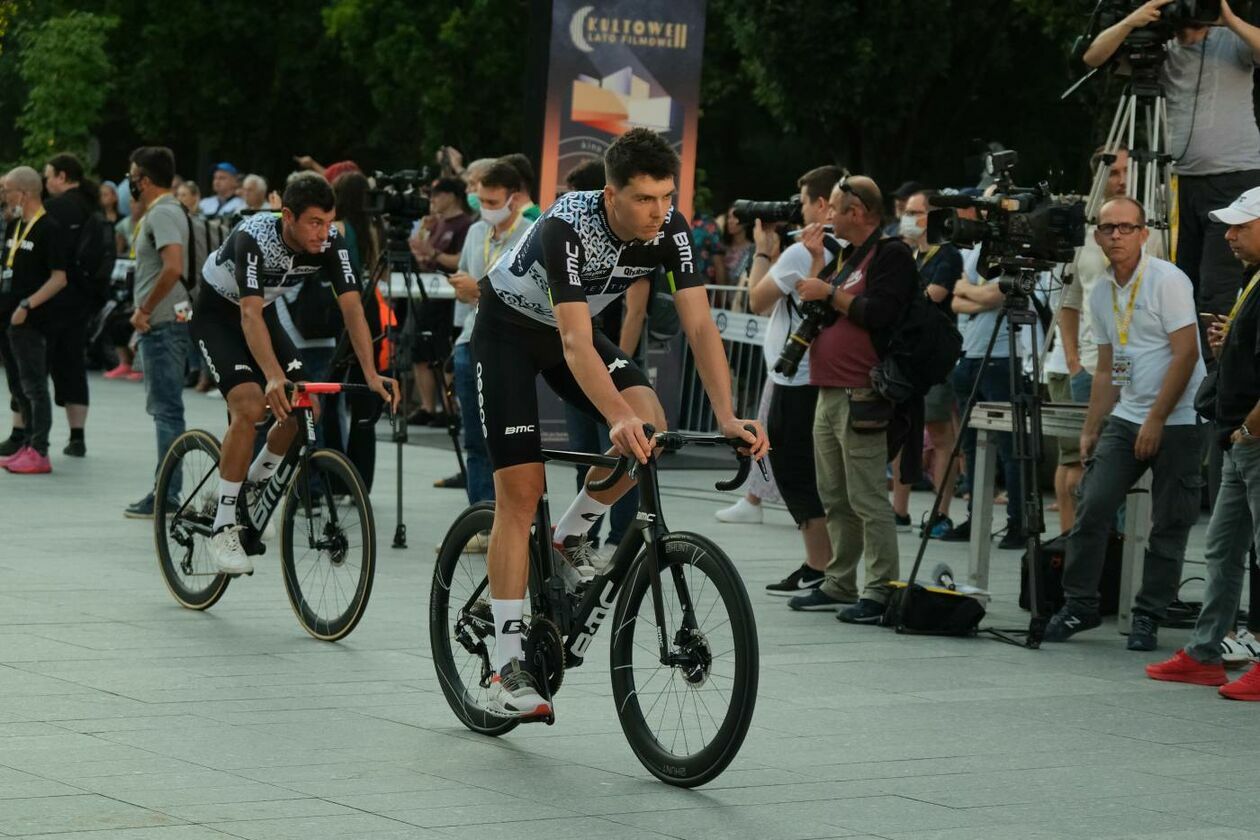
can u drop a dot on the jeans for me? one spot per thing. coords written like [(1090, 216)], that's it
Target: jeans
[(164, 354), (995, 386), (30, 352), (476, 457), (1175, 489), (1229, 537), (585, 435), (1081, 383)]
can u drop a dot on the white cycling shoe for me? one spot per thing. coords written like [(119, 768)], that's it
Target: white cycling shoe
[(228, 553), (513, 693)]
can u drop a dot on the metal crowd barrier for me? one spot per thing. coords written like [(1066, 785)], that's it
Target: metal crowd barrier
[(743, 335)]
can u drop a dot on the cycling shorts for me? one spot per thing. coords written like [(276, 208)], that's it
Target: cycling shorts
[(218, 335)]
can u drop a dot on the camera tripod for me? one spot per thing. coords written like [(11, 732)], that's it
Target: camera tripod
[(1025, 401), (1140, 124)]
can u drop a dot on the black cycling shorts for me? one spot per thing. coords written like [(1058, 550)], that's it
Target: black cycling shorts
[(217, 333), (508, 354)]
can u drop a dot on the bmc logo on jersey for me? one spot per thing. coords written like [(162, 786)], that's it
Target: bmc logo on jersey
[(251, 271), (346, 270), (571, 255), (683, 241)]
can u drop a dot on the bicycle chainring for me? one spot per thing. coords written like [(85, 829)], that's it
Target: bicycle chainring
[(544, 654)]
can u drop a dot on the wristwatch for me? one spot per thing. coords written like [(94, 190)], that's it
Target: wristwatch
[(25, 303), (1245, 432)]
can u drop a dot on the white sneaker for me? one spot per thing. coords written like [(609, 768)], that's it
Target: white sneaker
[(581, 559), (479, 544), (743, 512), (1240, 649), (514, 695), (228, 553)]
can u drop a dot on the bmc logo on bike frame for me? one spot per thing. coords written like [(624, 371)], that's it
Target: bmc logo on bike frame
[(584, 639), (271, 493)]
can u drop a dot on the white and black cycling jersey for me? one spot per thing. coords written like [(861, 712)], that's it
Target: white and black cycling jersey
[(571, 255), (255, 260)]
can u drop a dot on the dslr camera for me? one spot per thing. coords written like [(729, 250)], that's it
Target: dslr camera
[(770, 212), (1020, 229), (816, 316)]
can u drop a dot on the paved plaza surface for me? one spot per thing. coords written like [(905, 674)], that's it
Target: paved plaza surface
[(126, 717)]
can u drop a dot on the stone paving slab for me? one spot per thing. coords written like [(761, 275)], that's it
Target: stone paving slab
[(125, 717)]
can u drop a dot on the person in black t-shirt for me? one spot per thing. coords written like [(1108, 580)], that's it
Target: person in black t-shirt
[(34, 273), (1235, 340)]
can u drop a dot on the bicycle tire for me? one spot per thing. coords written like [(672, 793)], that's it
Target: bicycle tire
[(196, 563), (332, 551), (463, 572), (692, 553)]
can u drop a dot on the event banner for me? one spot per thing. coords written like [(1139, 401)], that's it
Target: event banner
[(617, 65)]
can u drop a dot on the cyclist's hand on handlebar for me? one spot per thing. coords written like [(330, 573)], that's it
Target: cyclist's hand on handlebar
[(278, 398), (758, 443), (628, 439), (387, 389)]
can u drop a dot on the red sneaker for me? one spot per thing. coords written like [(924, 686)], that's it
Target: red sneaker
[(8, 459), (118, 372), (1184, 668), (29, 462), (1246, 687)]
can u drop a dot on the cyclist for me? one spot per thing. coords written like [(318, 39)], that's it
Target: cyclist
[(535, 317), (250, 356)]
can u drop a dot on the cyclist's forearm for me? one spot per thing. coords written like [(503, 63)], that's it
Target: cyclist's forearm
[(592, 376), (259, 341), (360, 336)]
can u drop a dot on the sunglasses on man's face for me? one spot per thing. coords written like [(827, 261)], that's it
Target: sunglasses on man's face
[(846, 188)]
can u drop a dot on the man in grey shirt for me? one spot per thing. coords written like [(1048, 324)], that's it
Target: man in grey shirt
[(162, 308), (1207, 78)]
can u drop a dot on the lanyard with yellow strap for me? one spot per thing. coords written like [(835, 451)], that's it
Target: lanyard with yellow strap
[(488, 258), (1123, 320), (20, 237)]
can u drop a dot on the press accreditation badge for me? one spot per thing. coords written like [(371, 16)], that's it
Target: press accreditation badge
[(1122, 370), (6, 281), (183, 312)]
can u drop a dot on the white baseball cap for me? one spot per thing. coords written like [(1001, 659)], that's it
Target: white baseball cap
[(1246, 208)]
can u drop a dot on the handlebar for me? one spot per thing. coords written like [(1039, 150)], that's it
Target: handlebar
[(333, 387), (672, 442)]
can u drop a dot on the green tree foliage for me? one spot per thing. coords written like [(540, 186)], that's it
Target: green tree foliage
[(66, 70)]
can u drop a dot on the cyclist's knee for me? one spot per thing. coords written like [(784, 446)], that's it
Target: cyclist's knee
[(246, 404), (517, 491), (647, 405)]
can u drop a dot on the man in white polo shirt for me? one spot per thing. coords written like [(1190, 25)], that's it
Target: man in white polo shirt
[(1147, 334)]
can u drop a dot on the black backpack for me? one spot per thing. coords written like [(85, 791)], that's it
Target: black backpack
[(923, 350), (94, 255)]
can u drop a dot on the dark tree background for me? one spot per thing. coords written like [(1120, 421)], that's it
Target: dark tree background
[(897, 89)]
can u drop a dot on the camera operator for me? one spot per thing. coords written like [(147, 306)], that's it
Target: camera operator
[(790, 422), (1148, 348), (852, 422), (1207, 76)]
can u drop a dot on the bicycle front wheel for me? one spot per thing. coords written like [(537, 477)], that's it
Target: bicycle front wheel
[(185, 500), (328, 546), (685, 719)]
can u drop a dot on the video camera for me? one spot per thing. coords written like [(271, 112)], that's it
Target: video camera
[(1019, 229), (1144, 47), (403, 194)]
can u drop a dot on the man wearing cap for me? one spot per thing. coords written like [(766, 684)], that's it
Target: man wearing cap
[(1235, 341), (1147, 334), (225, 201)]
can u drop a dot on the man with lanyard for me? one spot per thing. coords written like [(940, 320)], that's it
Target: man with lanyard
[(535, 314), (34, 274), (501, 196), (250, 356), (1148, 348)]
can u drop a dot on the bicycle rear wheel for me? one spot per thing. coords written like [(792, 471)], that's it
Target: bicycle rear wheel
[(685, 720), (181, 529), (328, 546)]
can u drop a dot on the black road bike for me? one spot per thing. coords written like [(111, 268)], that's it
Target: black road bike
[(327, 533), (684, 642)]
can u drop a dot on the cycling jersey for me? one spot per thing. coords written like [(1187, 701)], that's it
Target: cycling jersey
[(571, 255), (255, 260)]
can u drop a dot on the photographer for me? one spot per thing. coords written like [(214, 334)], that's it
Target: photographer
[(1148, 348), (1207, 75), (790, 423), (852, 422)]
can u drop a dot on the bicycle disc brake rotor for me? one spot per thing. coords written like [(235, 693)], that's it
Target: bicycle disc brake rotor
[(544, 654), (694, 657)]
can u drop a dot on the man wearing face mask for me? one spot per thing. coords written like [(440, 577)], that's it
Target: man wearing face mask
[(940, 266)]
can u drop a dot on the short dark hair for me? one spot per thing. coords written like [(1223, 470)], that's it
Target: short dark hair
[(587, 176), (500, 173), (522, 164), (68, 165), (157, 163), (640, 151), (454, 186), (819, 182), (308, 190)]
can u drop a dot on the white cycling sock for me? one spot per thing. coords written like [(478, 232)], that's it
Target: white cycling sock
[(264, 465), (507, 630), (580, 516), (226, 514)]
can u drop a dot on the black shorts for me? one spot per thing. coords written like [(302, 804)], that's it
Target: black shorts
[(790, 427), (217, 333), (508, 354)]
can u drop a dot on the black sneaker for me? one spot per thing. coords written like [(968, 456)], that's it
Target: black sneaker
[(452, 482), (12, 444), (1013, 538), (865, 611), (817, 601), (419, 417), (142, 509), (75, 449), (903, 523), (959, 533), (1067, 622), (1143, 632), (799, 582)]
